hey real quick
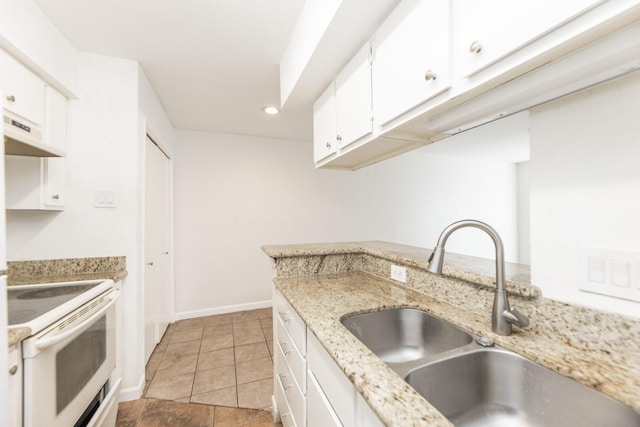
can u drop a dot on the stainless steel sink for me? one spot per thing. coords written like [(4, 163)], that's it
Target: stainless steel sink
[(404, 334), (494, 387)]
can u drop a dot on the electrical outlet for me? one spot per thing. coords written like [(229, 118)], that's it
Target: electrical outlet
[(399, 273)]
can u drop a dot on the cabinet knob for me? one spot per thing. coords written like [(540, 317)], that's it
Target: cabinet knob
[(150, 264), (338, 138), (55, 196), (328, 145), (13, 370), (430, 75), (475, 47), (11, 98)]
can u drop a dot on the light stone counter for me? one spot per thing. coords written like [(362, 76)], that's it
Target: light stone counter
[(16, 335), (66, 270), (325, 282)]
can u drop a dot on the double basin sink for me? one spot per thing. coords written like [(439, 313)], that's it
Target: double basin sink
[(473, 383)]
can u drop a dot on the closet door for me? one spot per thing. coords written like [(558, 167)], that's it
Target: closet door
[(158, 294)]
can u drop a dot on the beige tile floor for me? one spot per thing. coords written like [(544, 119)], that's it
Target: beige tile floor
[(223, 360), (169, 413)]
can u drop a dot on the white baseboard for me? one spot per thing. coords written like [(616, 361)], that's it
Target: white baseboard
[(132, 393), (222, 310)]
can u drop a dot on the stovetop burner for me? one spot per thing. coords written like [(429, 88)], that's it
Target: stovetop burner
[(28, 302)]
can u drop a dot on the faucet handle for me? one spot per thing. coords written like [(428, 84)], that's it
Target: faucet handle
[(513, 315)]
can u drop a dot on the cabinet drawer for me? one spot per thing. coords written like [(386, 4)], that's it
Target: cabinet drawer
[(333, 382), (282, 406), (294, 397), (320, 412), (297, 363), (294, 326)]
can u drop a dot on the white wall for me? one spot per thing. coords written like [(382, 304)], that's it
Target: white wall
[(585, 186), (524, 213), (103, 152), (235, 193)]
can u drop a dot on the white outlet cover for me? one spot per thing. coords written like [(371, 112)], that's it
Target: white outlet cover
[(398, 273)]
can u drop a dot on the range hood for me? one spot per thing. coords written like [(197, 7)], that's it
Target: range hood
[(23, 138)]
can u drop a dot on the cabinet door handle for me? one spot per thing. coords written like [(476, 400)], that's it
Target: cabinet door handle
[(285, 350), (328, 145), (13, 370), (475, 47), (55, 196), (283, 316), (11, 98), (150, 263), (285, 386), (430, 75), (339, 138)]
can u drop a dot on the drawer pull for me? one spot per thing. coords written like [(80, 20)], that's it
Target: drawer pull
[(283, 345), (284, 386), (284, 317)]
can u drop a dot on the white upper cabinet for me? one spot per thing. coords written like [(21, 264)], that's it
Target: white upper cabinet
[(411, 57), (353, 99), (23, 90), (35, 183), (55, 130), (342, 114), (486, 31), (324, 124), (442, 66)]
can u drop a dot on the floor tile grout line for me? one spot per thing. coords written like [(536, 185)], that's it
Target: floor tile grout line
[(235, 327)]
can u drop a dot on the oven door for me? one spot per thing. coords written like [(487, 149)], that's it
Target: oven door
[(67, 364)]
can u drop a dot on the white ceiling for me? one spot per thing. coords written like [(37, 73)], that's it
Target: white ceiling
[(212, 63)]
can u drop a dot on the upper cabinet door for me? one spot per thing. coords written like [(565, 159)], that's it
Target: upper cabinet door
[(353, 99), (55, 133), (485, 31), (411, 61), (324, 124), (23, 90)]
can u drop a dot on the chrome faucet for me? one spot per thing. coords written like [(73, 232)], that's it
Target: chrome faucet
[(502, 316)]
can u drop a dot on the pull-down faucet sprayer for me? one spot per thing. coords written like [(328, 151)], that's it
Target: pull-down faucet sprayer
[(502, 316)]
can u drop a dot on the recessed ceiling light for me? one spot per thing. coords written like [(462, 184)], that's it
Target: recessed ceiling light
[(271, 110)]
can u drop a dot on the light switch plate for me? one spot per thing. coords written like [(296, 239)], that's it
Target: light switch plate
[(105, 198), (614, 273)]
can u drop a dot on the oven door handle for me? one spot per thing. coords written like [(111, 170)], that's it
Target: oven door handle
[(49, 342)]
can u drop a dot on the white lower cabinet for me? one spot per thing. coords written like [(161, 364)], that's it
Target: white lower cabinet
[(310, 390), (290, 363), (334, 384), (320, 413), (15, 386)]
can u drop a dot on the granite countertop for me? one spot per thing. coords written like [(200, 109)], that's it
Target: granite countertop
[(322, 300), (595, 348), (16, 335), (71, 277), (464, 267), (66, 270)]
